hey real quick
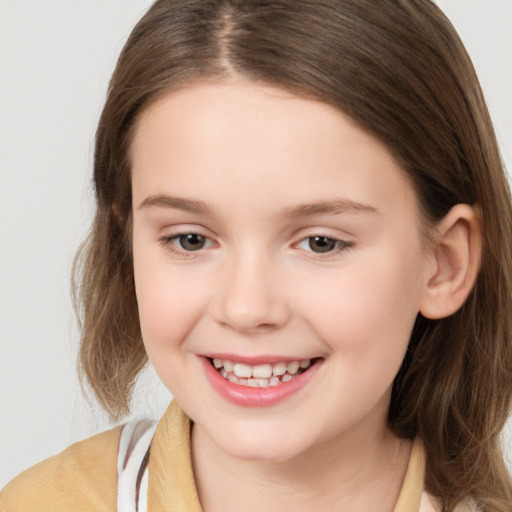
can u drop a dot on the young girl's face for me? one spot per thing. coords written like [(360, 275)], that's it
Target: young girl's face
[(272, 235)]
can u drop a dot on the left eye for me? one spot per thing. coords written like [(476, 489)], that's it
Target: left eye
[(322, 244)]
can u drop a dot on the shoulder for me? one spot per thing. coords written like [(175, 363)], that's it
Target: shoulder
[(81, 478)]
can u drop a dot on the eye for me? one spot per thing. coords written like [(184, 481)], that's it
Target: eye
[(323, 244), (184, 245), (190, 241)]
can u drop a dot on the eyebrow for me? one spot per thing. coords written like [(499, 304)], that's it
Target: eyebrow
[(301, 210), (178, 203), (328, 207)]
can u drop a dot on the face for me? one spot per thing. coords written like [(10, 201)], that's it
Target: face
[(279, 266)]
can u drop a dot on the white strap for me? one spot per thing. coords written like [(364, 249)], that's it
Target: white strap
[(132, 467)]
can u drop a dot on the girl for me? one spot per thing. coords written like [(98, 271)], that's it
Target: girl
[(303, 221)]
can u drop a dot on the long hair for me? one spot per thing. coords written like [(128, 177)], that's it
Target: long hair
[(398, 68)]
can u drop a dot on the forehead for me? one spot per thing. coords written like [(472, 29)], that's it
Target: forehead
[(241, 139)]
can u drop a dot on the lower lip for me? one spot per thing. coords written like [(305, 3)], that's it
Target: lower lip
[(247, 396)]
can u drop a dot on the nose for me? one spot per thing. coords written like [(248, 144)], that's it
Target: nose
[(252, 296)]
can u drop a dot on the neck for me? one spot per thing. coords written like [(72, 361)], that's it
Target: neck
[(350, 473)]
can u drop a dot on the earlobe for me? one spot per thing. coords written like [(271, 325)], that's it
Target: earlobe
[(457, 251)]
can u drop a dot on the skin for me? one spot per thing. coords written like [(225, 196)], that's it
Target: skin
[(252, 155)]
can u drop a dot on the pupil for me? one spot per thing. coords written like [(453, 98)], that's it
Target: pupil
[(192, 242), (321, 244)]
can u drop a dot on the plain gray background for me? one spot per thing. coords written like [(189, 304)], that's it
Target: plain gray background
[(56, 57)]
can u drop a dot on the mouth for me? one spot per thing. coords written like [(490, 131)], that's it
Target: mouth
[(260, 381), (261, 375)]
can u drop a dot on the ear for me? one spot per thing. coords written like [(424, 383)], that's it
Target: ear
[(456, 253), (116, 211)]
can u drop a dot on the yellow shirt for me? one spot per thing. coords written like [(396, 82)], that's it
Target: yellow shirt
[(83, 478)]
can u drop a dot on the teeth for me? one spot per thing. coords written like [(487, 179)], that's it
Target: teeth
[(279, 369), (262, 371), (292, 368), (274, 381), (242, 370), (228, 366), (262, 375)]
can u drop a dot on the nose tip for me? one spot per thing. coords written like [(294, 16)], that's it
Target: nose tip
[(251, 300), (244, 317)]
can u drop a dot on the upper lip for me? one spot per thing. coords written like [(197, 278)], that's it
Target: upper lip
[(256, 359)]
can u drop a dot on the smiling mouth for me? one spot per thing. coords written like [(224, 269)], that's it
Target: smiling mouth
[(261, 375)]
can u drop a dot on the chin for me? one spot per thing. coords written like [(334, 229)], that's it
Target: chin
[(262, 447)]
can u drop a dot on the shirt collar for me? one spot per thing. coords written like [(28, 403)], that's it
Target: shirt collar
[(171, 479)]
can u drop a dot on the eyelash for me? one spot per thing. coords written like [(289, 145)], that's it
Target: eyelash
[(169, 242), (339, 246)]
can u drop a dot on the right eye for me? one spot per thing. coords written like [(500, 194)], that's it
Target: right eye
[(184, 243), (190, 241)]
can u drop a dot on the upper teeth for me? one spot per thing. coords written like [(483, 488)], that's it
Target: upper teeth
[(261, 371)]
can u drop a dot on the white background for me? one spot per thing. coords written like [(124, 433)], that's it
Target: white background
[(56, 57)]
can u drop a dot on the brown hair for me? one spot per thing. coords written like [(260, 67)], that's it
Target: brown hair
[(399, 69)]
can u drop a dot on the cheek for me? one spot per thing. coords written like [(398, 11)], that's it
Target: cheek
[(368, 307), (169, 303), (365, 321), (168, 311)]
